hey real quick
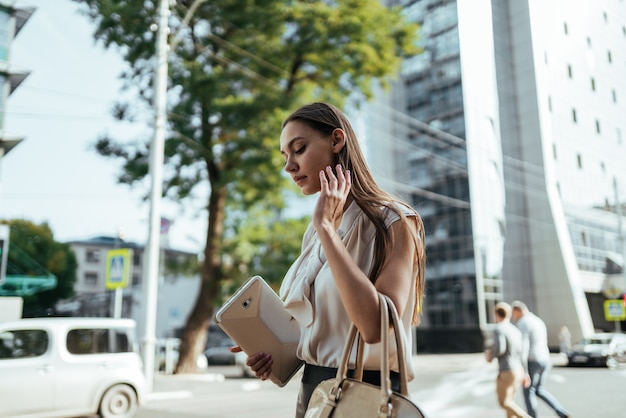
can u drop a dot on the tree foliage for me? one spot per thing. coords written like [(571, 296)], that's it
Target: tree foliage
[(236, 67), (261, 243), (38, 243)]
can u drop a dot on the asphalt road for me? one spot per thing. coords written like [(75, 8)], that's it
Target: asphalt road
[(446, 386)]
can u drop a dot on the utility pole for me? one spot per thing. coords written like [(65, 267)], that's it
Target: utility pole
[(151, 258), (620, 238), (620, 232)]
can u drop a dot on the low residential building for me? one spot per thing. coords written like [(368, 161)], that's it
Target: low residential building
[(177, 289)]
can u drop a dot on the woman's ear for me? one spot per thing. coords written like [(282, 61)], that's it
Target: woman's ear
[(338, 140)]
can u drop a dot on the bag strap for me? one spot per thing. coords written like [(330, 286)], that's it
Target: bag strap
[(386, 306), (400, 347)]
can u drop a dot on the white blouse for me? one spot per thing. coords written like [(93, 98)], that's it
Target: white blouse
[(310, 295)]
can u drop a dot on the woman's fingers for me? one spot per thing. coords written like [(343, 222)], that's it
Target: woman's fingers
[(261, 364), (333, 180), (341, 177), (337, 181), (323, 183), (334, 190)]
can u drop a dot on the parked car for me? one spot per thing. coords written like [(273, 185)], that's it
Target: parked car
[(167, 353), (63, 367), (602, 349), (218, 353)]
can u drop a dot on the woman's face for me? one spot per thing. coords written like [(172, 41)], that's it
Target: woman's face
[(306, 152)]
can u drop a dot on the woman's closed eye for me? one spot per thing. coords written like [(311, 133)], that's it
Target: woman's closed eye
[(300, 150)]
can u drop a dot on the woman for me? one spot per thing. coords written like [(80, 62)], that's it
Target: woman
[(361, 241)]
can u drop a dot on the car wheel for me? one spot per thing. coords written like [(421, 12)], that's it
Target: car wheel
[(120, 401), (612, 363)]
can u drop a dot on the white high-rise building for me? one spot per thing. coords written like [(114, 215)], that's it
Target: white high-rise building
[(509, 137), (13, 16)]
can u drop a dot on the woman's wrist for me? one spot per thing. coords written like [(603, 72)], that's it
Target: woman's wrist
[(325, 228)]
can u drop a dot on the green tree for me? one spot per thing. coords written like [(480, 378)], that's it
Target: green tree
[(261, 243), (37, 241), (235, 68)]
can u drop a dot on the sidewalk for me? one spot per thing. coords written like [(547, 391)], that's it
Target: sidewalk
[(445, 386)]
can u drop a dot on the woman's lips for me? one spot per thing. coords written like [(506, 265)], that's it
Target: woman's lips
[(299, 179)]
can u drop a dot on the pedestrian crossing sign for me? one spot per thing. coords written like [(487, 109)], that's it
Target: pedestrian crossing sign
[(614, 310), (118, 268)]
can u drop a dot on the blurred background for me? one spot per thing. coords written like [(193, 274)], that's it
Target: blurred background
[(502, 124)]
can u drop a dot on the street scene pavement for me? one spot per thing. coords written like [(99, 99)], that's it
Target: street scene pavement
[(445, 386)]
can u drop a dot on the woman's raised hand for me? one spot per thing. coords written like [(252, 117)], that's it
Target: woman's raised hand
[(260, 363), (334, 190)]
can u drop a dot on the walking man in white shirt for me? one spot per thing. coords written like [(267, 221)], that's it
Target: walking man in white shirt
[(507, 348), (535, 341)]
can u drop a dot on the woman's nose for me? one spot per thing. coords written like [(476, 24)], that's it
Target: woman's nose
[(290, 165)]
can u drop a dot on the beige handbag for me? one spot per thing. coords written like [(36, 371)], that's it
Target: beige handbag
[(343, 397)]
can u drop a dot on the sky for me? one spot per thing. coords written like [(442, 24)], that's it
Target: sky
[(54, 175)]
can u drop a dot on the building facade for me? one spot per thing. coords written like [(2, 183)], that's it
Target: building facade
[(13, 16), (177, 287), (508, 137)]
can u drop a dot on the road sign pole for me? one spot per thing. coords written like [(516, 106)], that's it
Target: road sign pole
[(119, 297), (4, 250)]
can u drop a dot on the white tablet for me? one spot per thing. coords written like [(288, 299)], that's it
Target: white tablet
[(256, 319)]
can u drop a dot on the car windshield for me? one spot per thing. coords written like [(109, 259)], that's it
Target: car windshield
[(597, 340)]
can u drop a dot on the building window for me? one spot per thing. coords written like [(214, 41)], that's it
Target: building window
[(565, 27), (580, 161), (550, 103), (91, 278), (583, 238), (3, 80), (609, 57), (569, 70), (602, 167), (93, 256), (589, 42), (4, 34), (574, 117), (593, 84), (597, 126), (606, 17), (619, 136), (554, 151), (614, 94)]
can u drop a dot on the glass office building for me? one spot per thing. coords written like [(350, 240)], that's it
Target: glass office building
[(507, 136)]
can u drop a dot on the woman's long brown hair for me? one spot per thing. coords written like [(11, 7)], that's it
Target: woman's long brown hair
[(325, 118)]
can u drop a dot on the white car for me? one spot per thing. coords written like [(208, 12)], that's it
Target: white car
[(167, 353), (607, 349), (66, 367)]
